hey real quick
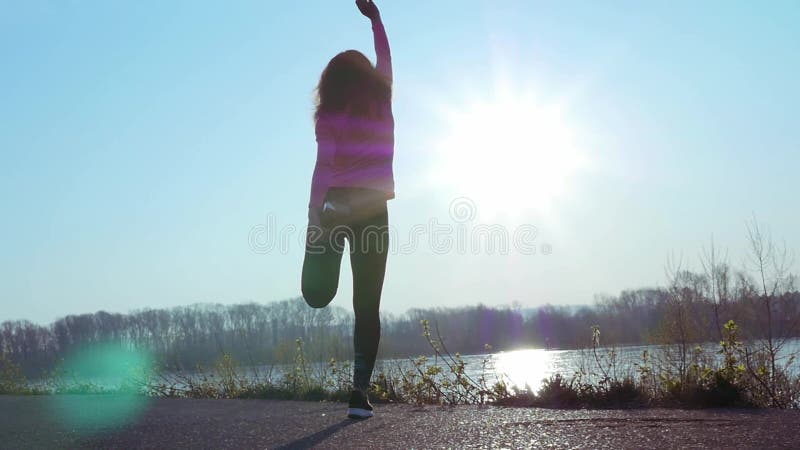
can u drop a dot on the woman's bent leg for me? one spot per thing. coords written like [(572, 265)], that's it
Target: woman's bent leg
[(323, 259), (369, 248)]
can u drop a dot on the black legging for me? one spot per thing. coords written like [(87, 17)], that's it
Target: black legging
[(369, 244)]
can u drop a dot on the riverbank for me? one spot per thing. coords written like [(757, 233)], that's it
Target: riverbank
[(36, 422)]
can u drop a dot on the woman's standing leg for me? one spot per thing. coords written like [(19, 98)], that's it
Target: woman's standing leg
[(369, 247)]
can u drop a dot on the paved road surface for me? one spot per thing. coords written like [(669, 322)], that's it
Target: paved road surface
[(33, 422)]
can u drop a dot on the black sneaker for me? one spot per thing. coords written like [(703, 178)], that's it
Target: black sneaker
[(359, 407)]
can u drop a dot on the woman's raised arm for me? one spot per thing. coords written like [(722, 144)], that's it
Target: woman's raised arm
[(382, 51)]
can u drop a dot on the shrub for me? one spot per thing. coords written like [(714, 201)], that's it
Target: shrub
[(11, 379)]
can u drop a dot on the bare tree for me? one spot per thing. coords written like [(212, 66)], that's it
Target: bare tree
[(717, 272), (683, 326), (772, 267)]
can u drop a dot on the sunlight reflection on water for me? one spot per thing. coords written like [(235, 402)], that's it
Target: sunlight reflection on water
[(528, 367), (531, 366)]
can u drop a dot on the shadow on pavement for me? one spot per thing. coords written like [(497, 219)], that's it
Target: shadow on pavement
[(318, 437)]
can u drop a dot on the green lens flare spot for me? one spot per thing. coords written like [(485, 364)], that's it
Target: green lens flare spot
[(100, 386)]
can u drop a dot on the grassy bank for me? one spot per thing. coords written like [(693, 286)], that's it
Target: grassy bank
[(738, 375)]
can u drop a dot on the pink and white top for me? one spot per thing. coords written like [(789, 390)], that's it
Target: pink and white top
[(355, 151)]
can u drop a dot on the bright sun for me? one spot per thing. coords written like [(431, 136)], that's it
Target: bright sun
[(508, 154)]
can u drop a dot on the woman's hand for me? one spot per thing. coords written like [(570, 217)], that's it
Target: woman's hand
[(369, 9)]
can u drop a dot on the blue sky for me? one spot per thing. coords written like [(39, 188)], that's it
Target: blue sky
[(141, 142)]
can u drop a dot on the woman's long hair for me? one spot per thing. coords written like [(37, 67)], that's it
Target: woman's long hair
[(350, 84)]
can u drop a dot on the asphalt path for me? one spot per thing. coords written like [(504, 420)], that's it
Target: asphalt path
[(43, 422)]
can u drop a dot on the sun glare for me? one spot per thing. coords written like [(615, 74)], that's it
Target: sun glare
[(528, 367), (508, 154)]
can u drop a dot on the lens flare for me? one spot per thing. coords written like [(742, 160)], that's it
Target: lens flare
[(99, 387)]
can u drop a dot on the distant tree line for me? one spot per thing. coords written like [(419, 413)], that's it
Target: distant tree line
[(266, 333), (692, 308)]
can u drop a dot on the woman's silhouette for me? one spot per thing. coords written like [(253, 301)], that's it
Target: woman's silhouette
[(352, 181)]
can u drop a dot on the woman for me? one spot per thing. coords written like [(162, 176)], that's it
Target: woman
[(352, 181)]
